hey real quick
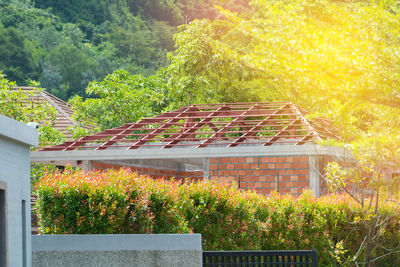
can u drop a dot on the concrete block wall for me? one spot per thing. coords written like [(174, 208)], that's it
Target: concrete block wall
[(285, 174), (156, 173), (15, 239), (145, 250)]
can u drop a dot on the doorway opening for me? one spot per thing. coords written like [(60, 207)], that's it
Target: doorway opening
[(3, 224)]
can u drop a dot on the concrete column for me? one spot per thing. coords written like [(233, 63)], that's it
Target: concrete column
[(87, 165), (206, 168), (313, 165)]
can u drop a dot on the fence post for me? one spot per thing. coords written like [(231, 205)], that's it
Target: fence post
[(314, 258)]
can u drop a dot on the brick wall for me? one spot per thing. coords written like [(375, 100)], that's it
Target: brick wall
[(285, 174), (152, 172)]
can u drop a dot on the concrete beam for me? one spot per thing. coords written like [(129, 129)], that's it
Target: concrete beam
[(158, 164), (116, 242), (18, 131), (87, 165), (145, 250), (148, 163), (188, 153), (206, 168)]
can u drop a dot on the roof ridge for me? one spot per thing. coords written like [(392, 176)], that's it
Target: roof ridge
[(51, 99)]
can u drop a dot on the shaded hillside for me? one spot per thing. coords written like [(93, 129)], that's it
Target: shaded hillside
[(67, 44)]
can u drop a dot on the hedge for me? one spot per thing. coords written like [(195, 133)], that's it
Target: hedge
[(112, 202)]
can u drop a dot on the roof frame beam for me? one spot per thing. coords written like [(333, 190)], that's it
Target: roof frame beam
[(128, 128), (226, 128), (306, 123), (258, 126), (146, 138), (283, 131), (219, 125), (209, 123), (178, 137)]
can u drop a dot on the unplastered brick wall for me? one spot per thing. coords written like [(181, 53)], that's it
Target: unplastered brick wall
[(285, 174), (152, 172)]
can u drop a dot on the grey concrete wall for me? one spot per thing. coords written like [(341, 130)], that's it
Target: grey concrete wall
[(15, 140), (161, 164), (117, 250)]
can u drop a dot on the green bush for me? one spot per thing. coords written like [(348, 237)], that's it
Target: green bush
[(221, 214), (101, 202), (107, 202)]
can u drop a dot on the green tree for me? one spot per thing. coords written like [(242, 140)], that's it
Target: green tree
[(66, 49), (103, 35), (18, 105), (339, 59), (120, 98), (206, 9), (183, 11), (36, 25), (201, 73), (136, 51), (71, 63), (16, 60), (93, 11)]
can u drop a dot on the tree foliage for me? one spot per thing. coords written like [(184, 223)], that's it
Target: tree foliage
[(18, 104), (65, 49), (201, 74), (16, 57), (336, 58), (120, 98)]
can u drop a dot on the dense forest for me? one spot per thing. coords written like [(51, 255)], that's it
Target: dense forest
[(67, 44)]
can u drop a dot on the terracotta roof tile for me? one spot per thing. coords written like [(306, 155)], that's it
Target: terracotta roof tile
[(63, 110)]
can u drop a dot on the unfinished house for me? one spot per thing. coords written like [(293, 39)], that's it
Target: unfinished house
[(260, 146)]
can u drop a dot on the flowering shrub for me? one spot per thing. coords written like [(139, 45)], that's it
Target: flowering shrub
[(302, 223), (229, 219), (221, 214), (107, 202)]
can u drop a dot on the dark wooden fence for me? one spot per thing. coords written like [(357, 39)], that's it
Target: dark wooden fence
[(268, 258)]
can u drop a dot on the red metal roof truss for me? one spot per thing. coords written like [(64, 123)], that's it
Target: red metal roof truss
[(212, 125)]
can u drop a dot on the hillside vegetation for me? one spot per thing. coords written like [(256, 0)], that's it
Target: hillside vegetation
[(67, 44)]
